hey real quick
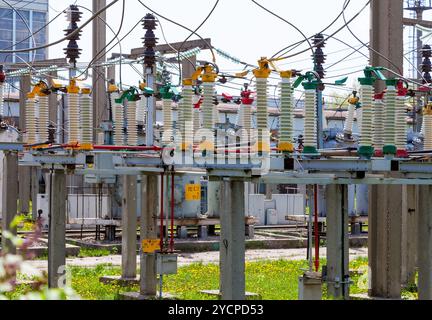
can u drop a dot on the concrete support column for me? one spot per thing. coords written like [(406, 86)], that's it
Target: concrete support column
[(9, 197), (34, 191), (385, 220), (129, 227), (337, 241), (232, 246), (149, 210), (425, 242), (57, 228), (409, 234)]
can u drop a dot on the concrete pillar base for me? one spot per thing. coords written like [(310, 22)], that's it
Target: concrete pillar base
[(139, 297), (110, 233), (250, 232), (203, 232), (310, 286), (355, 228), (119, 281), (217, 293), (182, 232)]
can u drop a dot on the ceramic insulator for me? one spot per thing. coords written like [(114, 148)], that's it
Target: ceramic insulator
[(141, 109), (31, 122), (390, 117), (262, 106), (118, 117), (186, 115), (400, 124), (427, 120), (43, 119), (349, 122), (1, 99), (208, 106), (86, 119), (310, 126), (73, 117), (287, 112), (378, 124), (366, 98), (132, 124), (167, 133)]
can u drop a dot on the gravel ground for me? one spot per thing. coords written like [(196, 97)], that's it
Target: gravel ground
[(204, 257)]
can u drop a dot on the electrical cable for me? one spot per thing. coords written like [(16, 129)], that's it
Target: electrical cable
[(322, 31), (76, 31), (96, 56), (182, 26), (194, 32), (286, 21)]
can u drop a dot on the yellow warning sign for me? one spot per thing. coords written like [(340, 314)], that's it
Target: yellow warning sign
[(193, 192), (150, 245)]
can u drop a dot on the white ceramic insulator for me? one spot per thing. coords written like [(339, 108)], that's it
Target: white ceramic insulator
[(2, 99), (422, 131), (132, 124), (208, 106), (262, 106), (141, 108), (310, 126), (31, 121), (287, 112), (118, 117), (349, 122), (359, 114), (427, 120), (86, 116), (43, 119), (197, 120), (366, 98), (378, 124), (186, 115), (244, 117), (400, 124), (167, 121), (73, 117), (390, 116)]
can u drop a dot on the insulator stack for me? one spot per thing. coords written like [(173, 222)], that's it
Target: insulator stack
[(263, 136), (86, 115), (310, 126), (73, 117), (31, 121), (426, 65), (168, 121), (319, 56), (400, 123), (1, 99), (366, 97), (132, 124), (150, 40), (378, 122), (141, 109), (286, 135), (208, 106), (349, 122), (43, 119), (427, 120), (118, 117), (72, 51), (186, 121), (390, 116)]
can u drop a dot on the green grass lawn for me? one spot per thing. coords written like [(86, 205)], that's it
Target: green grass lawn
[(273, 280)]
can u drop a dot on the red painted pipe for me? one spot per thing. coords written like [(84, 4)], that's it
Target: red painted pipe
[(317, 245), (172, 213), (162, 212)]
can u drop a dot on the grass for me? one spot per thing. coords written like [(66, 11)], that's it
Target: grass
[(88, 252), (272, 280)]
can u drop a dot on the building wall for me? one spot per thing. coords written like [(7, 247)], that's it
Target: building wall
[(14, 31)]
